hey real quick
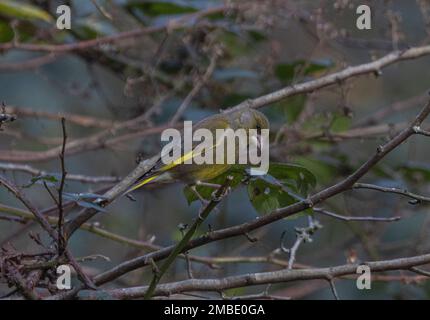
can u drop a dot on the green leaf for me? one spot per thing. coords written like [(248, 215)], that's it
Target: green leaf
[(257, 36), (418, 172), (154, 9), (295, 107), (266, 196), (286, 71), (234, 98), (294, 176), (289, 108), (49, 179), (323, 171), (341, 123), (6, 32), (19, 10), (235, 44), (238, 174)]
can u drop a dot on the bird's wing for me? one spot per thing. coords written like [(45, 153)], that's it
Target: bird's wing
[(218, 121)]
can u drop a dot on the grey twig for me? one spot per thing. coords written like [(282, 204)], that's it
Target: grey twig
[(46, 226), (251, 279), (349, 218), (403, 192), (420, 271), (195, 90), (333, 288), (62, 243), (303, 235), (179, 248), (75, 177)]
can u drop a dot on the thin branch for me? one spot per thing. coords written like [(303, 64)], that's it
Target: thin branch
[(333, 288), (212, 262), (61, 240), (293, 251), (251, 279), (13, 219), (394, 108), (102, 10), (74, 177), (418, 130), (303, 235), (170, 25), (420, 271), (305, 87), (405, 193), (46, 226), (93, 142), (179, 248), (358, 133), (29, 64), (195, 90), (336, 77), (349, 218), (80, 120), (109, 196)]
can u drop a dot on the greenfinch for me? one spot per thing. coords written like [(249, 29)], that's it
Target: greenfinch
[(192, 173)]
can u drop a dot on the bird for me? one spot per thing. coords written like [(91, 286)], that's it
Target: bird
[(198, 174)]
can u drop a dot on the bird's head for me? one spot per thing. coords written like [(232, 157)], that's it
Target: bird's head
[(251, 119), (248, 118)]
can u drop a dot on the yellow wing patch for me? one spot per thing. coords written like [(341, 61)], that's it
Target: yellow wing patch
[(169, 166), (142, 183)]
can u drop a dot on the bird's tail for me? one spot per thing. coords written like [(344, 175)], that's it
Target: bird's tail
[(141, 183)]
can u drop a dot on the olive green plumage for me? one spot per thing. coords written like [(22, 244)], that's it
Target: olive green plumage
[(244, 118)]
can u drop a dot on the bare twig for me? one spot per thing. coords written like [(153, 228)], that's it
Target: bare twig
[(405, 193), (418, 130), (352, 218), (179, 248), (80, 120), (99, 140), (392, 109), (199, 83), (420, 271), (333, 288), (170, 25), (29, 64), (46, 226), (334, 78), (61, 240), (75, 177), (303, 235), (250, 279)]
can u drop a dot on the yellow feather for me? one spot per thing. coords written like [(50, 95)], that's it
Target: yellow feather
[(142, 183)]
